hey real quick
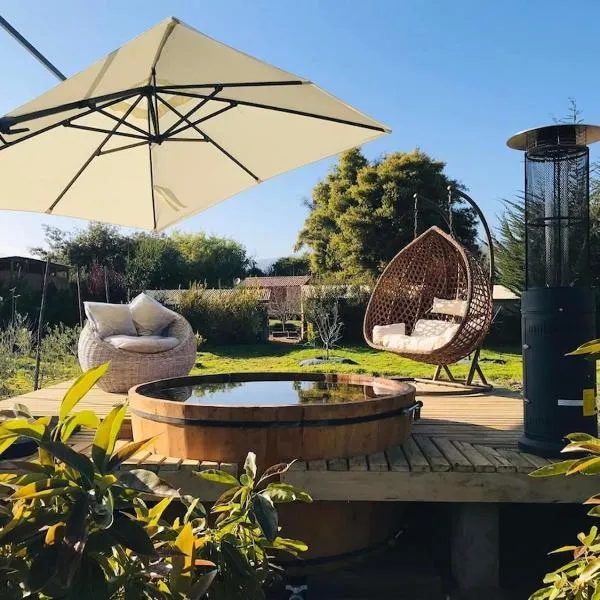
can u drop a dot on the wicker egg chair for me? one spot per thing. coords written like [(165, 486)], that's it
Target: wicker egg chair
[(434, 265)]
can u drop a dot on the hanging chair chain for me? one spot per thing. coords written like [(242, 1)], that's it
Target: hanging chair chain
[(450, 221), (416, 228)]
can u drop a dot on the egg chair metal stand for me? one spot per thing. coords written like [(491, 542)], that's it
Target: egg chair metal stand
[(436, 265)]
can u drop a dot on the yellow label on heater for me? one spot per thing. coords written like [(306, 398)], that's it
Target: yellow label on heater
[(589, 403)]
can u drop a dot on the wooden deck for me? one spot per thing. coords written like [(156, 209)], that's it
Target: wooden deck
[(463, 449)]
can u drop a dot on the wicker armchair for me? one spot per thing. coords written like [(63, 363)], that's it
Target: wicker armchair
[(131, 368)]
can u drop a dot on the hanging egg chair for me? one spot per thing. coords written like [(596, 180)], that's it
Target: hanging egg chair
[(432, 303)]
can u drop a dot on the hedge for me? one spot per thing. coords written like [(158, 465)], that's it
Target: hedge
[(233, 317)]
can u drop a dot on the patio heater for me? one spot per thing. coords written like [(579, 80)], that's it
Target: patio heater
[(558, 304)]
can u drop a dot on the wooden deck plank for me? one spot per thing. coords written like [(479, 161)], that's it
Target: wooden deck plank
[(190, 464), (416, 459), (481, 463), (536, 461), (358, 463), (152, 462), (230, 468), (437, 460), (397, 459), (502, 464), (171, 463), (135, 462), (377, 462), (458, 461), (519, 461)]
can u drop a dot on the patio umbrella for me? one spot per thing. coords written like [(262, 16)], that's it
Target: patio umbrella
[(164, 127)]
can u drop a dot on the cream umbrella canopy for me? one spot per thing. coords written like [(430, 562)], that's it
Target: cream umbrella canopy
[(164, 127)]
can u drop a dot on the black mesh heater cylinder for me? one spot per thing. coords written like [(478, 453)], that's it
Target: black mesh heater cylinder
[(558, 305)]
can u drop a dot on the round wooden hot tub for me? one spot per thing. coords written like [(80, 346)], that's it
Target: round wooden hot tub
[(281, 417), (222, 417)]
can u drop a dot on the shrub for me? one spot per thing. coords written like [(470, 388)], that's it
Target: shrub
[(73, 526), (231, 317)]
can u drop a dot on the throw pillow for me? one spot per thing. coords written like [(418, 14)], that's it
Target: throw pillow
[(150, 317), (110, 319)]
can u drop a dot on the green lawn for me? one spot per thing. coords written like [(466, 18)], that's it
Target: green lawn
[(285, 357)]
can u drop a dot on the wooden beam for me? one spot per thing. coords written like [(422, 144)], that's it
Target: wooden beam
[(441, 487)]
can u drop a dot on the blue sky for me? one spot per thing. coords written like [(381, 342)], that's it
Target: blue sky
[(453, 78)]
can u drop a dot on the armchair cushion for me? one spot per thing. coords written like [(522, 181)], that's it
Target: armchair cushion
[(143, 344)]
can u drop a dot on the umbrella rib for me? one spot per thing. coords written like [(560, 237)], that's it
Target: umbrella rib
[(291, 111), (182, 117), (60, 123), (91, 158), (202, 119), (134, 127), (209, 139), (99, 130), (151, 169), (127, 147), (192, 86), (192, 111)]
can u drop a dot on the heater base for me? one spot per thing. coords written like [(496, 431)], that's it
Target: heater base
[(543, 448)]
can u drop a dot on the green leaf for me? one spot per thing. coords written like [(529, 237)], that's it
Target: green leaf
[(106, 435), (217, 476), (22, 427), (266, 515), (27, 466), (156, 511), (590, 466), (250, 466), (79, 389), (592, 568), (564, 549), (147, 482), (90, 582), (284, 492), (81, 463), (559, 468), (127, 451), (85, 418), (233, 555), (580, 437), (289, 545), (202, 585), (132, 535), (594, 512), (45, 487)]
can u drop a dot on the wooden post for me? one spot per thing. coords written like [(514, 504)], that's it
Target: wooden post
[(475, 551), (79, 303), (106, 283), (38, 350)]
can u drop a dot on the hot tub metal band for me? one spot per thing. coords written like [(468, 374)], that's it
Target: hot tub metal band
[(404, 411)]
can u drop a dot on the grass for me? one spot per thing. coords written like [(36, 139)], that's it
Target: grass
[(285, 357)]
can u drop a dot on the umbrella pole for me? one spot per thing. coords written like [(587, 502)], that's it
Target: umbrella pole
[(79, 297), (106, 283), (31, 49), (36, 373)]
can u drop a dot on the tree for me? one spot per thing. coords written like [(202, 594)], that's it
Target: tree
[(211, 259), (291, 265), (323, 312), (283, 310), (362, 213), (154, 263), (509, 246)]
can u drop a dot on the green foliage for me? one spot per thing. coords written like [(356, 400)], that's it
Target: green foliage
[(145, 261), (238, 317), (362, 213), (579, 578), (509, 246), (210, 259), (73, 526), (291, 265)]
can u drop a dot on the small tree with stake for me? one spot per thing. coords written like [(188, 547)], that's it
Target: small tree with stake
[(324, 314), (284, 310)]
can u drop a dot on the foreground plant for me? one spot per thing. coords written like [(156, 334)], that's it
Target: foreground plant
[(73, 526), (579, 578)]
